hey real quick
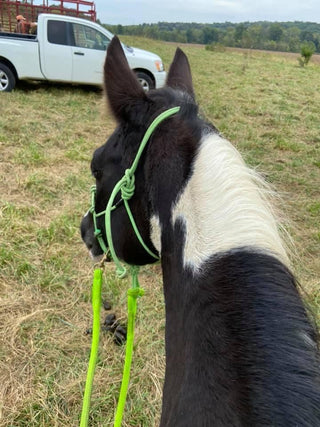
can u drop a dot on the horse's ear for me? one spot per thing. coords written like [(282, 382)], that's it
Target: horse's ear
[(179, 76), (122, 87)]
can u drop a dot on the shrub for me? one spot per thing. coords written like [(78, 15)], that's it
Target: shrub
[(307, 50)]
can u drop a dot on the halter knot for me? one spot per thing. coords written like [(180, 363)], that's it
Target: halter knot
[(128, 187)]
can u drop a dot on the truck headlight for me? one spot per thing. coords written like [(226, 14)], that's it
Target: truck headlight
[(159, 65)]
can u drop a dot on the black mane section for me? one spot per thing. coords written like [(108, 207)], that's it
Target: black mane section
[(172, 148)]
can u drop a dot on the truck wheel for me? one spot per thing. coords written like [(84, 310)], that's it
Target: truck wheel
[(145, 81), (7, 79)]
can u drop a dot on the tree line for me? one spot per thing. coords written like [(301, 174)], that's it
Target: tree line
[(281, 36)]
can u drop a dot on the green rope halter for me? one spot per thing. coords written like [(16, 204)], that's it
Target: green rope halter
[(126, 186)]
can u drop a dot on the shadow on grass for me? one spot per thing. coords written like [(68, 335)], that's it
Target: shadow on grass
[(32, 86)]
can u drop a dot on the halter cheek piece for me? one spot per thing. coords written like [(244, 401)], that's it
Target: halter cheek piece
[(126, 186)]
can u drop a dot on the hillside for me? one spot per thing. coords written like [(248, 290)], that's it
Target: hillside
[(278, 36)]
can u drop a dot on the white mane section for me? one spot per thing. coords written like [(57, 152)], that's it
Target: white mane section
[(223, 206)]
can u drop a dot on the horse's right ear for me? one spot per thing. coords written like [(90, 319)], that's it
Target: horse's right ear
[(122, 87), (179, 76)]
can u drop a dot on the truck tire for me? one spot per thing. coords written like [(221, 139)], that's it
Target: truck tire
[(7, 79), (145, 81)]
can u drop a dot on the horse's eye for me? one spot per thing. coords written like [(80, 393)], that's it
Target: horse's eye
[(97, 174)]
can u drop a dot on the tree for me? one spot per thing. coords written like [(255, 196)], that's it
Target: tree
[(194, 35), (292, 37), (119, 30), (275, 32), (238, 35), (255, 35), (246, 40), (210, 35), (306, 36), (228, 38)]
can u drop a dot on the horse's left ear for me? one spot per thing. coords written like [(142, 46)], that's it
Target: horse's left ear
[(179, 76), (122, 87)]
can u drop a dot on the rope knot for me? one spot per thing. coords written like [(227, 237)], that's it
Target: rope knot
[(121, 271), (135, 292), (97, 232), (128, 187)]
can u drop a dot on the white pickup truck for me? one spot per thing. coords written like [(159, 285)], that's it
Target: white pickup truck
[(69, 49)]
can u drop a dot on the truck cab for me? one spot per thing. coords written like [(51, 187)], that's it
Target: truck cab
[(69, 49)]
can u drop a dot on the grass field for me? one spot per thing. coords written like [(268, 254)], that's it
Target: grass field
[(266, 104)]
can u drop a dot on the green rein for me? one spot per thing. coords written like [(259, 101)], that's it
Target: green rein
[(126, 186)]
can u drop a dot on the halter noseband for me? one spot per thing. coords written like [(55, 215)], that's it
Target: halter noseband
[(127, 186)]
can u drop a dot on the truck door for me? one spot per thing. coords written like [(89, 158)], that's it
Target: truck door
[(88, 54), (56, 52)]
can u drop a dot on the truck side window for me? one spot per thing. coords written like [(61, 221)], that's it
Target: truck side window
[(89, 38), (57, 32)]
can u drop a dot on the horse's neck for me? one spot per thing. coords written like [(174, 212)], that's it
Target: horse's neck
[(221, 208), (224, 294)]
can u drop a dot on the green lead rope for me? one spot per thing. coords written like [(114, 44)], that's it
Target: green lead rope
[(96, 303), (133, 294)]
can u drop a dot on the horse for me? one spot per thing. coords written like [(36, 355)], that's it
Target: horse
[(241, 348)]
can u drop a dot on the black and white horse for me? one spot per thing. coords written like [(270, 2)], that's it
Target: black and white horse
[(240, 348)]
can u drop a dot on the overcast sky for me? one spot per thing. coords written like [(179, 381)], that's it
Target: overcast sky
[(206, 11)]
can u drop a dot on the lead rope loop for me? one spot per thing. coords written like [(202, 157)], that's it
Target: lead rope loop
[(96, 304), (133, 294)]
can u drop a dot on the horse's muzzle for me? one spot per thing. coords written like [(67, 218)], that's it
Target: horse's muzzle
[(88, 237)]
